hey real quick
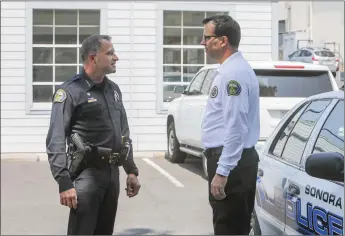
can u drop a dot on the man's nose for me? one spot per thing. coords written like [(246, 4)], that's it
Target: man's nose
[(203, 42)]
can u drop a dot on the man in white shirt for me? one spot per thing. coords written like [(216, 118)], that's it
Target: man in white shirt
[(230, 129)]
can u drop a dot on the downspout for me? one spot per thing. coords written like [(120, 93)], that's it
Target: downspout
[(310, 20)]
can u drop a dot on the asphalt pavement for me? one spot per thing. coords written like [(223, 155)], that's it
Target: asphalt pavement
[(172, 201)]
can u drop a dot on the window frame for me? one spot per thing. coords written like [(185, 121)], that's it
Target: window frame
[(45, 108), (162, 107), (209, 70), (193, 80)]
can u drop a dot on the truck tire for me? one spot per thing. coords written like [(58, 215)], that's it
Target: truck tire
[(174, 154)]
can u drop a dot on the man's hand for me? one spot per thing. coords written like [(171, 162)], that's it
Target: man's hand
[(69, 198), (218, 185), (133, 185)]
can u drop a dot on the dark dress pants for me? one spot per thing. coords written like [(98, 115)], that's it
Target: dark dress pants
[(97, 195), (232, 215)]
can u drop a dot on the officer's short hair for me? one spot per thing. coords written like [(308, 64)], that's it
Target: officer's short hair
[(92, 44), (225, 25)]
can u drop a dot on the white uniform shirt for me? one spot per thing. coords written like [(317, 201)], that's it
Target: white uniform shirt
[(232, 115)]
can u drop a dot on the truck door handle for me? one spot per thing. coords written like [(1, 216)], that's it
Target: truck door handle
[(294, 189), (260, 172)]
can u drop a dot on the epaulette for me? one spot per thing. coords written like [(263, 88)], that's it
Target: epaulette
[(71, 80), (76, 77)]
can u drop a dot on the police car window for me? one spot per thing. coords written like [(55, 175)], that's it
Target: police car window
[(205, 89), (300, 134), (195, 86), (293, 83), (279, 143), (331, 136)]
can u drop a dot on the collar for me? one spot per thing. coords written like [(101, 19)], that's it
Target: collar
[(227, 60), (89, 83)]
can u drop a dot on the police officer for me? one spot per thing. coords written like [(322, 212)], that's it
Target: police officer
[(230, 129), (91, 105)]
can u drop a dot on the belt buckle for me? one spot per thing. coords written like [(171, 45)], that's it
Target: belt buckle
[(113, 158)]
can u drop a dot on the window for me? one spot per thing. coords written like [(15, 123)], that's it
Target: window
[(57, 35), (205, 89), (300, 134), (331, 137), (183, 56), (295, 54), (279, 143), (324, 54), (291, 83), (195, 86)]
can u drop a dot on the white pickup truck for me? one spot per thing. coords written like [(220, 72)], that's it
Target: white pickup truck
[(282, 86)]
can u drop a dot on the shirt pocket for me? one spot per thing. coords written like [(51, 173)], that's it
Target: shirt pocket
[(116, 111), (94, 108), (117, 106)]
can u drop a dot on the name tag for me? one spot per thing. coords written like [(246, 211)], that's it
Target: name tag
[(89, 100)]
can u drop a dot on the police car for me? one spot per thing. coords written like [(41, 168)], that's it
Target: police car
[(282, 85), (300, 183)]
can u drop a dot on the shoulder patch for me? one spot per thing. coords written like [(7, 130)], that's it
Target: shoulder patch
[(60, 96), (214, 92), (234, 88), (116, 96)]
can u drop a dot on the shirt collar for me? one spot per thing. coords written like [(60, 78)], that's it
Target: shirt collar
[(227, 60), (90, 83)]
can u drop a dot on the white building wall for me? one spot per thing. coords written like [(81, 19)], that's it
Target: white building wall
[(325, 18), (133, 27)]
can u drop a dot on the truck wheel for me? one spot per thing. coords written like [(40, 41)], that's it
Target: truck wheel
[(204, 166), (254, 225), (174, 154)]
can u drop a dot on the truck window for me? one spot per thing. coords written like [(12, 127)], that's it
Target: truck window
[(292, 83)]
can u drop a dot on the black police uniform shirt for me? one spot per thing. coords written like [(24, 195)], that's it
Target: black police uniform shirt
[(95, 112)]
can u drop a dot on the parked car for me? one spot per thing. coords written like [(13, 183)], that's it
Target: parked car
[(282, 85), (317, 56), (300, 185)]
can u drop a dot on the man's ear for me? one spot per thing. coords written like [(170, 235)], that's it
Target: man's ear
[(224, 41), (92, 58)]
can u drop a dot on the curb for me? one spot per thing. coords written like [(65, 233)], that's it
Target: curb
[(37, 157)]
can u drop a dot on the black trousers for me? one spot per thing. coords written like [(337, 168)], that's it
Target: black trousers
[(232, 215), (97, 194)]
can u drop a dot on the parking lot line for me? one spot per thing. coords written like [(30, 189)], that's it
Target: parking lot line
[(164, 172)]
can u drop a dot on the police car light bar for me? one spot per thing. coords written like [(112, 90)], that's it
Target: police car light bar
[(289, 67)]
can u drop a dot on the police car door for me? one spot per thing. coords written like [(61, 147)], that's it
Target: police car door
[(293, 150), (273, 174), (318, 208)]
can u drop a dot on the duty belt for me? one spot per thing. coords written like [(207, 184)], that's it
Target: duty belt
[(112, 159)]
